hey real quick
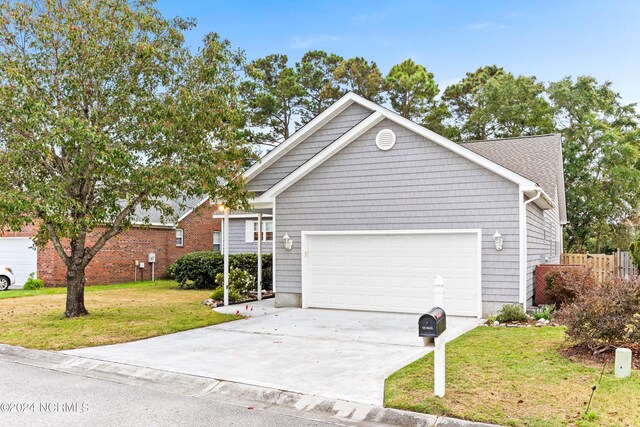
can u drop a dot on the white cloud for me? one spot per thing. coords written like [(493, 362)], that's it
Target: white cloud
[(484, 25), (307, 42)]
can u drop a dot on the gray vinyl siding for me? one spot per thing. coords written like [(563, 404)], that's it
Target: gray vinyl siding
[(237, 243), (415, 185), (540, 242), (308, 148)]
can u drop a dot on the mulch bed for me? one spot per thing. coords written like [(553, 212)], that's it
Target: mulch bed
[(583, 355)]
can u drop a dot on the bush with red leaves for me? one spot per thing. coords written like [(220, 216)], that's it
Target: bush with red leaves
[(604, 315), (564, 285)]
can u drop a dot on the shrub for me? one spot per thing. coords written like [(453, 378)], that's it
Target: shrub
[(239, 280), (199, 269), (604, 315), (511, 313), (32, 283), (544, 313), (218, 295), (564, 285), (249, 262)]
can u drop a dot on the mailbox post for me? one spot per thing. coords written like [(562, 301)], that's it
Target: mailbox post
[(439, 351), (433, 326)]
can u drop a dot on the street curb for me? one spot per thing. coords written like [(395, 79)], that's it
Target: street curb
[(340, 411)]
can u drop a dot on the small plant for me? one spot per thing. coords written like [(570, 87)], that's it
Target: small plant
[(545, 313), (512, 313), (490, 319), (32, 283), (240, 280), (218, 295), (587, 419)]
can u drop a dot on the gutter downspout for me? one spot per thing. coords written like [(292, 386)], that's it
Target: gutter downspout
[(523, 253)]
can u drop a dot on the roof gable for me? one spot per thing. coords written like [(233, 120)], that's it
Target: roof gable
[(302, 150), (299, 136), (379, 113), (181, 209)]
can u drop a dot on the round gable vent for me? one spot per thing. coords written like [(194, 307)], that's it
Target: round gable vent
[(385, 139)]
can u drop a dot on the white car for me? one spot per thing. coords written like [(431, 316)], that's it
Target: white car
[(6, 278)]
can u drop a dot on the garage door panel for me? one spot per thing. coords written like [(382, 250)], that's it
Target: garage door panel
[(18, 253), (392, 272)]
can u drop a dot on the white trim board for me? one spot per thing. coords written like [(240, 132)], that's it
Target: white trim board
[(246, 216), (379, 114), (186, 214), (299, 136), (304, 249)]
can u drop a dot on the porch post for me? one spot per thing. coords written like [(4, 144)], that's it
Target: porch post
[(225, 249), (259, 257)]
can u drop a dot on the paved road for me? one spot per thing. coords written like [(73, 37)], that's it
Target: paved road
[(63, 399)]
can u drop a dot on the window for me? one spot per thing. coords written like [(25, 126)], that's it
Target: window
[(267, 231), (179, 237), (217, 241), (251, 231)]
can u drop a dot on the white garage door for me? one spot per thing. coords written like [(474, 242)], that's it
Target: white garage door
[(393, 271), (16, 252)]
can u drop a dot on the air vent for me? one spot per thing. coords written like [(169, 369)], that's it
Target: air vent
[(385, 139)]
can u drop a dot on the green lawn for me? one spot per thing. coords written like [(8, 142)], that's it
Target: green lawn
[(118, 313), (17, 293), (516, 376)]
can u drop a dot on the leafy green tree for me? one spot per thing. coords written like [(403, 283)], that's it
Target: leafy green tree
[(459, 101), (316, 76), (272, 93), (362, 77), (103, 110), (601, 146), (411, 89), (634, 249), (509, 106)]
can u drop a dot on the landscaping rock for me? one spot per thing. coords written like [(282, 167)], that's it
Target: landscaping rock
[(496, 323)]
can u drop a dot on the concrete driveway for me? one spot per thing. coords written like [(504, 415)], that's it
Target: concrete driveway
[(330, 353)]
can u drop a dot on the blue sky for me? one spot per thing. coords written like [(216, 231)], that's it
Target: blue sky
[(548, 39)]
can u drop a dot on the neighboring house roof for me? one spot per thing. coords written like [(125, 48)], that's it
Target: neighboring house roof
[(379, 113), (538, 158), (181, 208)]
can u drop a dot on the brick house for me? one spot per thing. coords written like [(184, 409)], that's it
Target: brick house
[(194, 230)]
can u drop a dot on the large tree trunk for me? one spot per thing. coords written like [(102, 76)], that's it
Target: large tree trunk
[(75, 293), (75, 281)]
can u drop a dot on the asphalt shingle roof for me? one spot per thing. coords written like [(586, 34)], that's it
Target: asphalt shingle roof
[(538, 158), (155, 216)]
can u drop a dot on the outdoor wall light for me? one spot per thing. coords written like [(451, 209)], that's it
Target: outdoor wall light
[(287, 241), (497, 238)]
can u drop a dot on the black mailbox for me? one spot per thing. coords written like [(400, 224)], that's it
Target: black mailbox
[(432, 324)]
